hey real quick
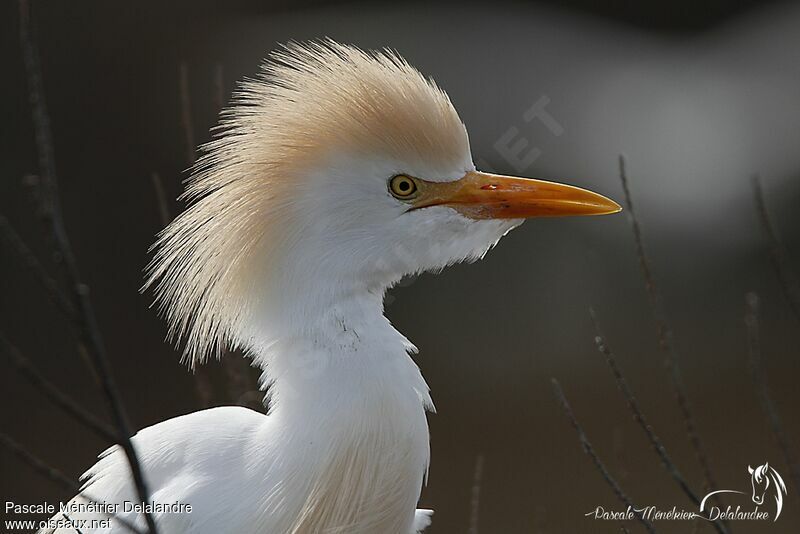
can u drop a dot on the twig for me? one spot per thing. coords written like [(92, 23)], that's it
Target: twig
[(665, 338), (751, 321), (219, 87), (241, 384), (638, 416), (186, 112), (85, 322), (204, 387), (58, 477), (161, 199), (55, 395), (777, 250), (202, 378), (33, 264), (71, 523), (474, 506), (240, 379), (588, 449), (50, 285)]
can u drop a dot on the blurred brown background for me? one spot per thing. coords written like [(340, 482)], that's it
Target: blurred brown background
[(698, 94)]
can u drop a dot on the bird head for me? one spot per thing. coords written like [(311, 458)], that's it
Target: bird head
[(335, 171)]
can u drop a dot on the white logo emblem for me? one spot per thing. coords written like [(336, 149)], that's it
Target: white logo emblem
[(764, 480)]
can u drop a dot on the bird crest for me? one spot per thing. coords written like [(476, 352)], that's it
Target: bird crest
[(309, 101)]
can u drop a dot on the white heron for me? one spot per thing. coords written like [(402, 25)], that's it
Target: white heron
[(336, 173)]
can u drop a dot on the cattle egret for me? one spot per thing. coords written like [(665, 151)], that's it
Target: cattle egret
[(336, 173)]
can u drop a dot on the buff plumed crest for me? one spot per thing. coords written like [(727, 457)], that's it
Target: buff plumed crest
[(309, 99)]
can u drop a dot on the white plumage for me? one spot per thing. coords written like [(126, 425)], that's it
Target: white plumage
[(336, 173)]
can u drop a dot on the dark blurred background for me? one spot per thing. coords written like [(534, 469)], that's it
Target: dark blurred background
[(699, 94)]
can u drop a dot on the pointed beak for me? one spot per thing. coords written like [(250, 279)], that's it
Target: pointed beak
[(480, 195)]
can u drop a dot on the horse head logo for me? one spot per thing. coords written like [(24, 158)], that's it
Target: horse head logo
[(764, 479)]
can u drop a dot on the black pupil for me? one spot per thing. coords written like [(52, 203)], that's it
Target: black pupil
[(404, 186)]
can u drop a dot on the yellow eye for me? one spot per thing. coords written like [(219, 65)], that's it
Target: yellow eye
[(402, 186)]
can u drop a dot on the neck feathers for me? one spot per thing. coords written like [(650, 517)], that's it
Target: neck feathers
[(350, 412)]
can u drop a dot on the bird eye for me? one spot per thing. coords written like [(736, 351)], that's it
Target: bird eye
[(402, 186)]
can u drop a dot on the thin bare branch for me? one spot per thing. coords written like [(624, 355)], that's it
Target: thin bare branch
[(53, 393), (639, 417), (240, 380), (242, 387), (219, 87), (202, 374), (589, 450), (85, 321), (203, 384), (59, 478), (475, 503), (186, 112), (665, 338), (777, 250), (29, 259), (161, 198), (756, 363)]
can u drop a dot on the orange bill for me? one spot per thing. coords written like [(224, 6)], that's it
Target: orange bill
[(480, 195)]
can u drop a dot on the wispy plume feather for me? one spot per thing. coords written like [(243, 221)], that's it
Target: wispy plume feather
[(308, 100)]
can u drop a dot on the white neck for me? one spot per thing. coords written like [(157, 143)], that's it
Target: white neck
[(337, 349), (348, 409), (320, 333)]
